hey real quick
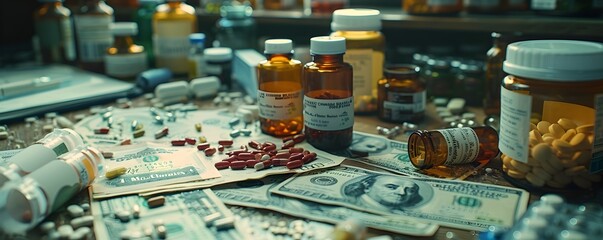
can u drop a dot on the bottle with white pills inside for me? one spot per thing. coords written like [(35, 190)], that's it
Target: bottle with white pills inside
[(551, 123)]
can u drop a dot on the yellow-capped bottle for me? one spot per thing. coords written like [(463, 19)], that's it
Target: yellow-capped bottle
[(365, 46), (280, 90), (173, 22), (54, 30)]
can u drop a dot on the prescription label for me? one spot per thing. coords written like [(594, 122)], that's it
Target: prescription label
[(171, 38), (401, 105), (362, 65), (279, 106), (94, 36), (462, 144), (329, 114), (515, 109), (125, 65)]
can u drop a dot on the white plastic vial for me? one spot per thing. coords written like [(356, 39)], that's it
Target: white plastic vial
[(124, 59)]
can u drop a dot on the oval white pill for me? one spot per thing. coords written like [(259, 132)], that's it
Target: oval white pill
[(556, 130), (566, 123), (543, 127)]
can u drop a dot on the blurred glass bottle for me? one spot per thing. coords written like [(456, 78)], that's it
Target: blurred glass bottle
[(236, 29), (280, 90), (54, 30), (470, 83), (173, 22), (93, 35), (143, 16), (365, 52), (401, 95), (279, 4), (196, 60), (439, 78), (124, 59)]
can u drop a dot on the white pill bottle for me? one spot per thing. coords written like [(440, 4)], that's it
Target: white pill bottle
[(551, 131)]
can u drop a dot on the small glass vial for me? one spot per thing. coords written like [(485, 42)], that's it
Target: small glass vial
[(93, 34), (401, 94), (278, 4), (551, 113), (439, 78), (328, 95), (236, 29), (196, 60), (218, 62), (173, 22), (31, 200), (432, 7), (54, 30), (365, 52), (280, 90), (143, 16), (452, 146), (124, 59), (326, 6), (470, 83), (40, 153)]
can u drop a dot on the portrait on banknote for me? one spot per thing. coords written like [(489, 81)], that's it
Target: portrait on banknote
[(388, 193)]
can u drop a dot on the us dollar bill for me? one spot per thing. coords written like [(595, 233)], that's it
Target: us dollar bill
[(393, 156), (459, 204), (256, 194)]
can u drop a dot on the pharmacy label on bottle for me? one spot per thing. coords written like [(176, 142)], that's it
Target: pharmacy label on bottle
[(463, 145), (362, 65), (515, 110), (402, 105), (280, 105), (94, 36), (329, 114)]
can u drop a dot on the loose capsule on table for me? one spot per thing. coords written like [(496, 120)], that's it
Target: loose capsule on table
[(209, 151), (178, 142), (156, 201), (161, 133), (238, 165), (198, 127), (116, 172), (226, 143)]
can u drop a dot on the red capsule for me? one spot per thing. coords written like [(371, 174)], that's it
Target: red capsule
[(238, 165), (245, 156), (269, 148), (283, 155), (295, 164), (268, 144), (162, 133), (230, 159), (251, 163), (209, 151), (236, 152), (288, 144), (190, 141), (296, 150), (222, 165), (299, 138), (296, 156), (285, 139), (226, 143), (202, 146), (220, 148), (262, 165), (309, 157), (254, 144), (101, 130), (279, 161), (178, 142)]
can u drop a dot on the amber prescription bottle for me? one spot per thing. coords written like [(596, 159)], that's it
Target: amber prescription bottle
[(280, 90), (93, 35), (173, 22), (365, 46), (125, 59), (401, 94), (328, 95), (432, 7), (551, 115), (54, 30), (451, 146)]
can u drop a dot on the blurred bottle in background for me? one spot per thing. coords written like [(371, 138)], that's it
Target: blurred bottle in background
[(173, 22), (143, 16), (236, 28), (54, 31), (124, 59), (92, 21), (196, 59)]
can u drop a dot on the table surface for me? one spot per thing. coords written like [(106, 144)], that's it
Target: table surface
[(366, 123)]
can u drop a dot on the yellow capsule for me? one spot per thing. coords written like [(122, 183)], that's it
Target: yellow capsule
[(113, 173), (198, 127), (202, 139)]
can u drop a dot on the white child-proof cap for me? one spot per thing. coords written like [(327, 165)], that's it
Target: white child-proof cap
[(278, 46), (325, 45), (555, 60), (219, 54), (356, 19), (124, 28)]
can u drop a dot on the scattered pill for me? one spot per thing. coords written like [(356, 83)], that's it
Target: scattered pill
[(75, 211), (65, 231), (209, 151), (246, 132), (107, 154), (233, 122), (156, 201), (224, 223), (211, 218), (294, 164), (178, 142), (47, 227), (198, 127), (116, 172), (161, 133), (226, 143), (202, 139), (235, 133), (222, 165), (101, 131), (84, 221), (238, 165), (161, 232), (138, 133)]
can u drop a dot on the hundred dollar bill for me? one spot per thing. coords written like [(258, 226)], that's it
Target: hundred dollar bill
[(393, 156), (452, 203), (182, 215), (151, 165), (255, 193)]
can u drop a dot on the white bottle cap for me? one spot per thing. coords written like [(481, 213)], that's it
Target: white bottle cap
[(356, 19), (217, 54), (205, 86), (324, 45), (555, 60), (278, 46), (124, 28)]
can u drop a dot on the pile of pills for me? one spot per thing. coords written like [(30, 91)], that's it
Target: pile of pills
[(263, 155), (553, 218), (559, 155), (78, 228)]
